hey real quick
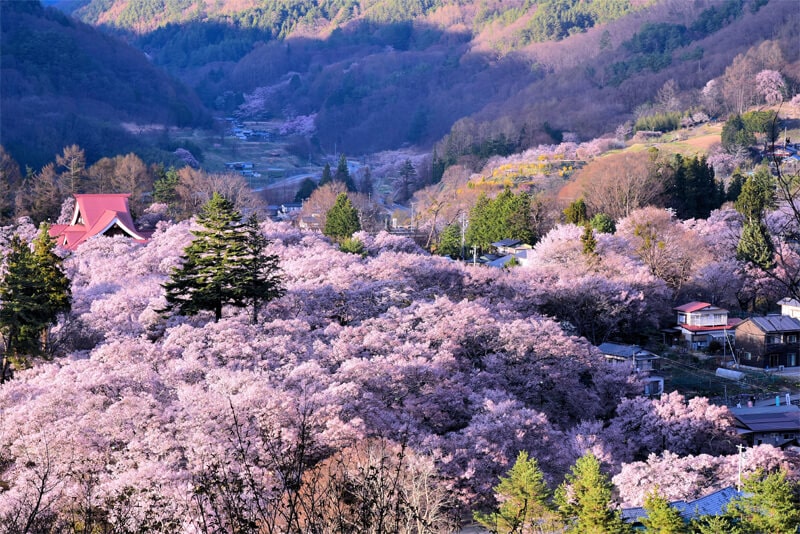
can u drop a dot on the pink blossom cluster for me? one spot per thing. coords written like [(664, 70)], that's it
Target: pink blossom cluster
[(303, 125), (153, 418)]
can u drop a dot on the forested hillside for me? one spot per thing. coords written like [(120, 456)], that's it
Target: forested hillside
[(376, 75), (64, 82)]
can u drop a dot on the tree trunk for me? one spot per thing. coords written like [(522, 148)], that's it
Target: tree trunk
[(4, 366)]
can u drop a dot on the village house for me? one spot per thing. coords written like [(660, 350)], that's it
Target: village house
[(700, 323), (95, 215), (640, 361), (771, 425), (769, 342), (508, 250), (713, 504), (790, 307)]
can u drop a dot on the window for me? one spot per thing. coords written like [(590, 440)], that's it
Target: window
[(791, 359), (748, 356), (791, 338)]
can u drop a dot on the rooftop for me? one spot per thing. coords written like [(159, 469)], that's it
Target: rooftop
[(694, 306), (711, 504), (768, 418), (776, 323)]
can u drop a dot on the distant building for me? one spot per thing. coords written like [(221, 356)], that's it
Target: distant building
[(700, 323), (712, 504), (769, 425), (790, 307), (508, 250), (97, 215), (769, 342), (641, 362)]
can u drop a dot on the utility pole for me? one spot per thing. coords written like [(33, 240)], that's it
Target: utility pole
[(463, 217)]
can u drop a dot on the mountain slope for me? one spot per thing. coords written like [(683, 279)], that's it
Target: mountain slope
[(65, 82)]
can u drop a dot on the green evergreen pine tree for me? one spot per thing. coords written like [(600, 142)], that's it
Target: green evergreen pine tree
[(307, 186), (508, 216), (714, 524), (261, 277), (755, 244), (342, 219), (33, 293), (575, 213), (589, 241), (165, 187), (524, 505), (757, 195), (584, 500), (769, 504), (735, 186), (661, 517), (450, 241), (326, 175), (208, 277), (343, 174)]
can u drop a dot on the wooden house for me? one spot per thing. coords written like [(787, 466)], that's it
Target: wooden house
[(769, 342)]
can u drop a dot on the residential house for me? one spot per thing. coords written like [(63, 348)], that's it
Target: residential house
[(641, 361), (508, 249), (769, 342), (769, 425), (790, 307), (713, 504), (700, 323), (97, 215)]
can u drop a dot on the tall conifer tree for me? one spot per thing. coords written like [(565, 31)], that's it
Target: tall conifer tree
[(224, 265), (261, 279), (341, 221), (33, 293), (584, 499)]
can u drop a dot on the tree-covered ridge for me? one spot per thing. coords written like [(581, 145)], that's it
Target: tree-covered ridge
[(66, 82), (550, 19)]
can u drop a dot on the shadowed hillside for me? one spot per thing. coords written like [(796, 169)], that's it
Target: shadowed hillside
[(64, 82)]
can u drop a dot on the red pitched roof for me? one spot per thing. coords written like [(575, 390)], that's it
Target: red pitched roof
[(732, 323), (96, 215), (692, 307)]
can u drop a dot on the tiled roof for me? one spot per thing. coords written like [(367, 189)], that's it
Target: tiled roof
[(692, 306), (776, 323)]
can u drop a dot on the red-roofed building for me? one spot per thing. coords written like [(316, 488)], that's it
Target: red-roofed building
[(700, 323), (97, 215)]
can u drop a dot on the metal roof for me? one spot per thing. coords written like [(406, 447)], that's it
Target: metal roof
[(711, 504), (693, 306), (776, 323), (625, 351), (510, 242), (768, 418)]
